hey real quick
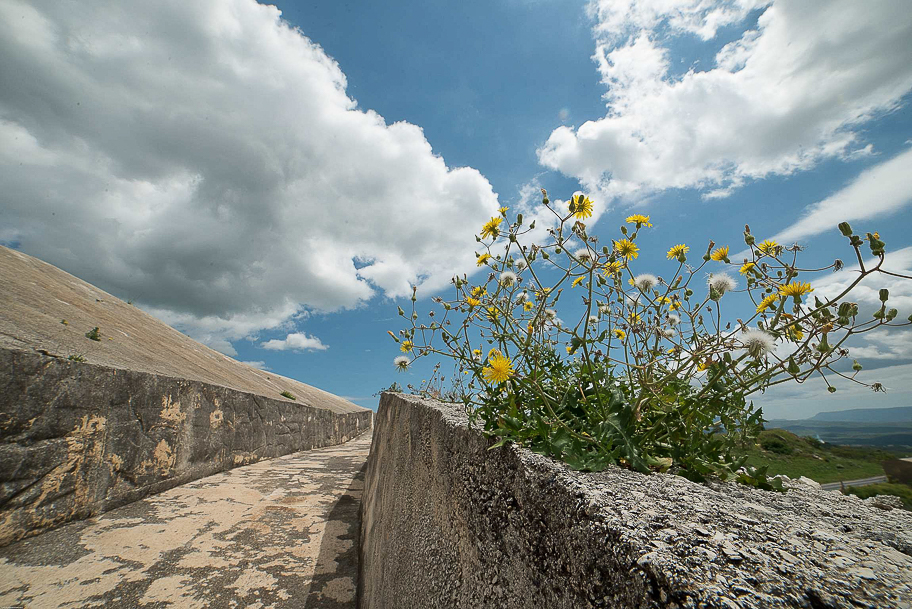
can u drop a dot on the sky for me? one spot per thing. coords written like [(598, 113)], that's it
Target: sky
[(272, 179)]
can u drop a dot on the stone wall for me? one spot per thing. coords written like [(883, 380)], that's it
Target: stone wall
[(78, 439), (449, 523)]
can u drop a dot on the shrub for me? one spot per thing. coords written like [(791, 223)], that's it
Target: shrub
[(776, 445), (94, 334), (287, 394), (646, 373)]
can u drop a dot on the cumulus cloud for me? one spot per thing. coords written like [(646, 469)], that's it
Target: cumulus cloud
[(204, 159), (295, 342), (779, 99)]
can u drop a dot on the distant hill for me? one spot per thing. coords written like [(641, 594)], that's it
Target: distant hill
[(902, 414)]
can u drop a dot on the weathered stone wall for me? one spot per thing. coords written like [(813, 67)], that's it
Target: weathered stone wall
[(449, 523), (78, 439)]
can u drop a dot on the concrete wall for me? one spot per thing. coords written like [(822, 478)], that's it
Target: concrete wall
[(78, 439), (449, 523)]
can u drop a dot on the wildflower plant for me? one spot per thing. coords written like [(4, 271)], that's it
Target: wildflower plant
[(648, 375)]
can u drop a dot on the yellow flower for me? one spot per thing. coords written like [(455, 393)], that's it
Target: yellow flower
[(612, 268), (577, 281), (634, 318), (490, 229), (675, 305), (638, 219), (479, 291), (569, 348), (746, 268), (767, 303), (503, 211), (472, 302), (795, 289), (483, 259), (768, 247), (619, 333), (498, 370), (677, 250), (794, 332), (627, 249), (702, 366), (528, 305), (581, 207), (720, 254), (476, 353), (406, 346)]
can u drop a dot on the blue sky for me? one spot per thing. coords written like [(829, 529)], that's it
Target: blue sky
[(271, 184)]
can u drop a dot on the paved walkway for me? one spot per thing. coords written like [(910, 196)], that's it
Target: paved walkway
[(280, 533)]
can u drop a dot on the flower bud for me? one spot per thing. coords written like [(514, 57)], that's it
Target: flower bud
[(856, 366), (519, 219), (884, 295), (891, 314), (831, 389), (845, 229), (624, 230)]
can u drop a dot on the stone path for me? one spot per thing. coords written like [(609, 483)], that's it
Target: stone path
[(280, 533)]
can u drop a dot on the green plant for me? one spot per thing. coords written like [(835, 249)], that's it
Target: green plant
[(76, 358), (903, 491), (648, 375), (287, 394), (94, 334)]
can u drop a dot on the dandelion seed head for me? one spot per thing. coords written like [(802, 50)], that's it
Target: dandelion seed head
[(758, 342), (722, 283), (645, 281), (508, 279)]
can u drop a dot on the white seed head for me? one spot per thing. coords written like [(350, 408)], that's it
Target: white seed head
[(402, 362), (550, 314), (583, 254), (722, 283), (673, 319), (522, 297), (593, 319), (508, 279), (758, 342), (645, 282), (521, 265)]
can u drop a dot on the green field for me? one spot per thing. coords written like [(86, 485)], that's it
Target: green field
[(793, 456)]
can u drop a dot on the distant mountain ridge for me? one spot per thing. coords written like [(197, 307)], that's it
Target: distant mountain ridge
[(900, 414)]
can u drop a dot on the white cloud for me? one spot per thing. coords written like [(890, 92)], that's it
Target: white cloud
[(877, 191), (259, 365), (204, 159), (778, 100), (295, 342)]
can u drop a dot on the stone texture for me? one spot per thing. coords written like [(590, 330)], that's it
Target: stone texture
[(36, 297), (79, 439), (448, 523), (147, 410), (281, 534)]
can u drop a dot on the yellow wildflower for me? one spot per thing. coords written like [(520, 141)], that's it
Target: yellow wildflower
[(794, 332), (479, 291), (528, 305), (675, 305), (634, 318), (612, 268), (677, 250), (720, 254), (627, 249), (498, 370), (490, 228), (746, 268), (493, 313), (472, 302), (577, 281), (580, 207), (406, 346), (702, 366), (483, 259), (769, 247), (767, 303), (503, 211), (795, 289), (619, 333), (639, 220)]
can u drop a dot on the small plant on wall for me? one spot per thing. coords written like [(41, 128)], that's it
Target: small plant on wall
[(570, 349), (287, 394)]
